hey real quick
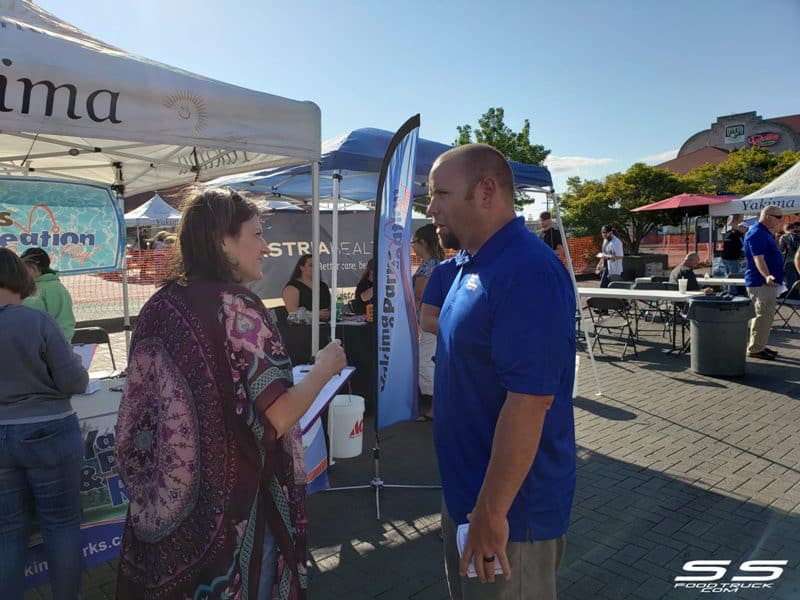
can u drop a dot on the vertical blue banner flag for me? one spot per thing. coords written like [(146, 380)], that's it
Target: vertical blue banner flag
[(395, 310), (80, 225)]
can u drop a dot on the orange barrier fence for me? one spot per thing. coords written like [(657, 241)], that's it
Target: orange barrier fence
[(582, 251), (675, 247)]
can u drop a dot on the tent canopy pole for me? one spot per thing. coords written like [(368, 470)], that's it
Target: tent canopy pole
[(584, 320), (315, 255), (335, 252)]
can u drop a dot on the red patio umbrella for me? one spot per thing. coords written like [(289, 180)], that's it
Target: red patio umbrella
[(687, 201)]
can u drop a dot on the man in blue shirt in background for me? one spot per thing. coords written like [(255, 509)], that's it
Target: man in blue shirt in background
[(505, 365), (763, 275), (438, 285)]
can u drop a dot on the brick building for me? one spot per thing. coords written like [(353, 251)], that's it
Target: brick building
[(732, 132)]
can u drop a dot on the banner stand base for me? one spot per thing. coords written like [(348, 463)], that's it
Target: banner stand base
[(377, 484)]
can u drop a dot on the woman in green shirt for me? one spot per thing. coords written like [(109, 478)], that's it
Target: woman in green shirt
[(51, 295)]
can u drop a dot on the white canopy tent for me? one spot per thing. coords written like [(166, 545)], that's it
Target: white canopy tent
[(73, 107), (783, 191), (153, 212), (76, 108)]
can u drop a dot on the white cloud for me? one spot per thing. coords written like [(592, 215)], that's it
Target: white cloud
[(655, 159), (574, 164)]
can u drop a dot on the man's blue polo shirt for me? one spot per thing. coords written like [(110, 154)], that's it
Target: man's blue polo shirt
[(759, 241), (507, 324), (439, 282)]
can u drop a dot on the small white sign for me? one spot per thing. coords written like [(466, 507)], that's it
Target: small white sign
[(734, 134)]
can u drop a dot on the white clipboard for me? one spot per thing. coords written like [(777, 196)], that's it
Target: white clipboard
[(325, 395)]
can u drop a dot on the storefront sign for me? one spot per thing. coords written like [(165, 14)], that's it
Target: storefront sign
[(767, 138), (734, 134)]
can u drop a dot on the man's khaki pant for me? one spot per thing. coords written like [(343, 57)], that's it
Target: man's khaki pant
[(533, 569), (765, 299)]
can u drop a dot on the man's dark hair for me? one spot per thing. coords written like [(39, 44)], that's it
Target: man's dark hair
[(14, 275), (545, 216), (208, 216)]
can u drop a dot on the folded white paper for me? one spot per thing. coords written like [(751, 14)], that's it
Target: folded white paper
[(461, 541)]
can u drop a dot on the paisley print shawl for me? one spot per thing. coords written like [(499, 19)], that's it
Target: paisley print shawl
[(204, 471)]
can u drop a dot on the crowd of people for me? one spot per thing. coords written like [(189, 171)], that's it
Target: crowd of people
[(217, 496), (237, 416)]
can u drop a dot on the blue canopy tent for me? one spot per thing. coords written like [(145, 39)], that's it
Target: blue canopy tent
[(354, 161), (348, 172)]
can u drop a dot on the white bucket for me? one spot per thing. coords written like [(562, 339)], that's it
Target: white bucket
[(346, 426), (575, 383)]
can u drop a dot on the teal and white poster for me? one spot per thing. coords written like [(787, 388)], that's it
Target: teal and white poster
[(80, 225)]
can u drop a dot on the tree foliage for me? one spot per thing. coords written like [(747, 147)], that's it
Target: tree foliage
[(745, 171), (493, 130), (516, 146), (591, 204), (588, 205)]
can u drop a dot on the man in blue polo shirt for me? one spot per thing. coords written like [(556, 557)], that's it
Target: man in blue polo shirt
[(763, 275), (505, 365)]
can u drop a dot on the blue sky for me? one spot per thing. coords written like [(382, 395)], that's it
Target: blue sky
[(604, 84)]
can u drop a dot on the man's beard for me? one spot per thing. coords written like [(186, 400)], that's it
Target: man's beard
[(449, 241)]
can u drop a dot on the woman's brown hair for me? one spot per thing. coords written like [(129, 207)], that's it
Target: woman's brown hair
[(14, 275), (301, 262), (427, 235), (208, 216)]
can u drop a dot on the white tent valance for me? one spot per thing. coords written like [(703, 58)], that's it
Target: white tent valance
[(783, 191), (73, 107)]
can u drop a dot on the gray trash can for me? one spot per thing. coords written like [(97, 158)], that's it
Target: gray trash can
[(719, 334)]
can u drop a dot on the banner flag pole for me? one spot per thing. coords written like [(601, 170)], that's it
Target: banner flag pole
[(396, 327)]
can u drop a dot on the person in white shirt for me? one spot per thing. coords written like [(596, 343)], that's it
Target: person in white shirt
[(610, 266)]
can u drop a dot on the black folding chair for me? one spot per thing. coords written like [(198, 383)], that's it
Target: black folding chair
[(612, 315), (789, 304), (94, 335), (648, 310)]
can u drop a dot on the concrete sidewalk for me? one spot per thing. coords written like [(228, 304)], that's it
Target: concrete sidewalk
[(672, 466)]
